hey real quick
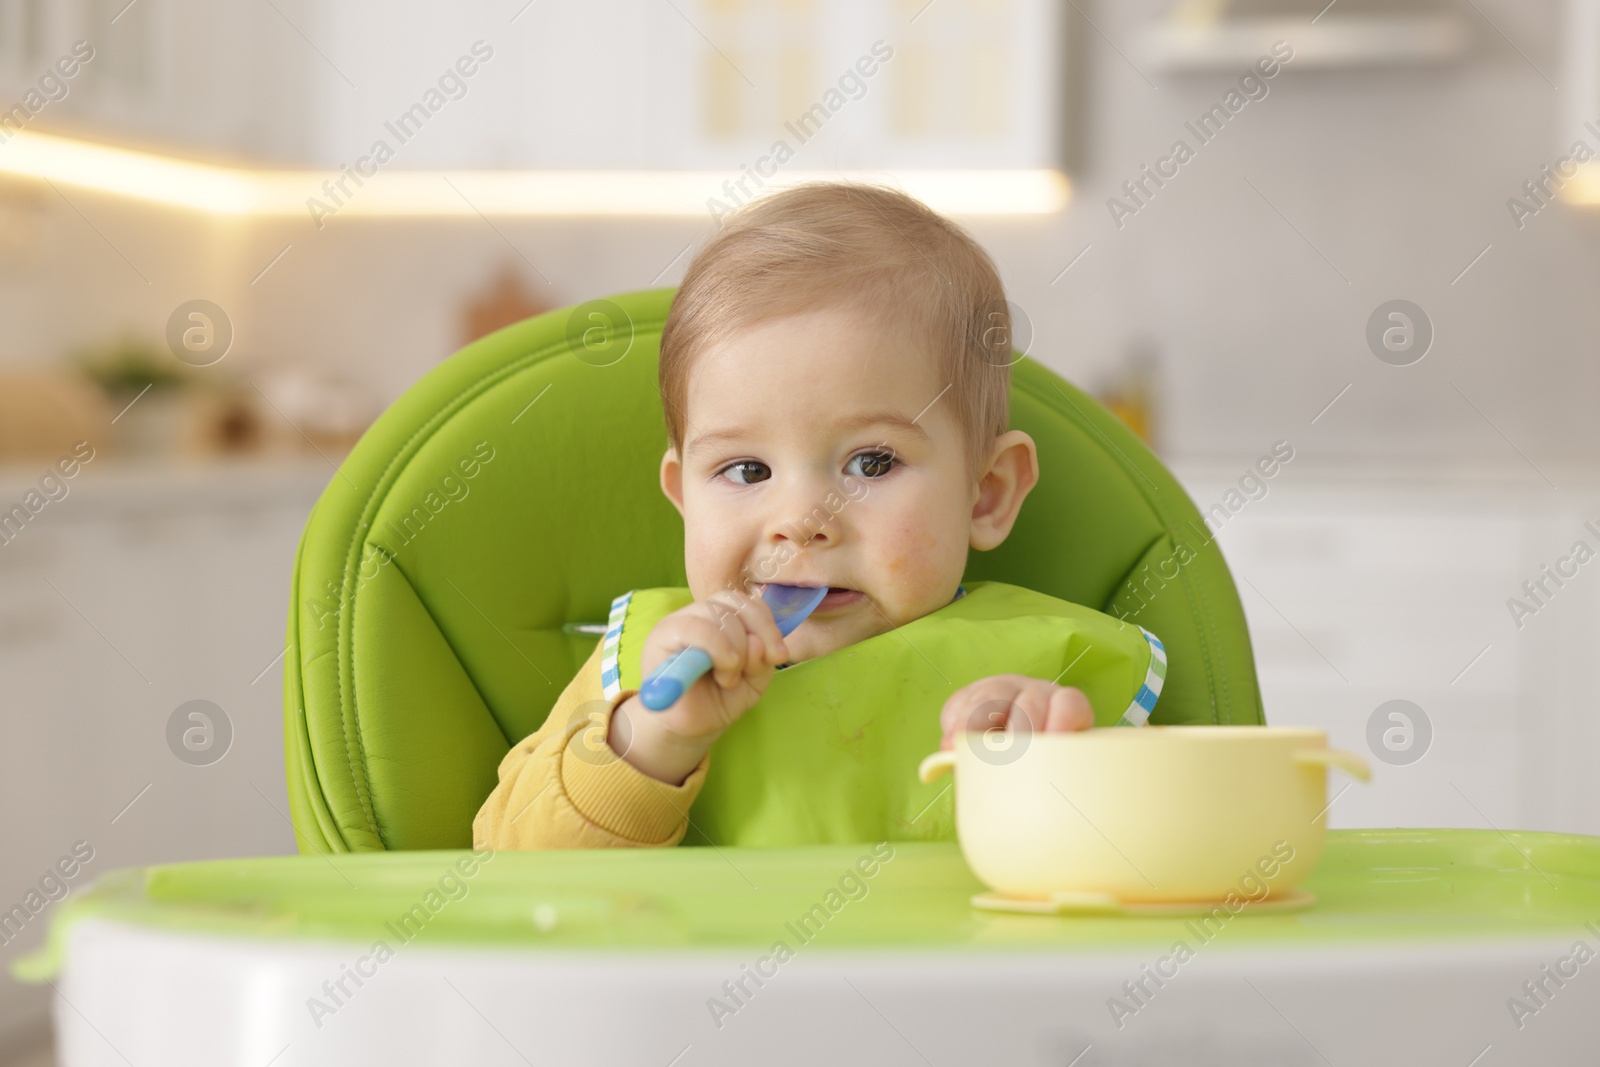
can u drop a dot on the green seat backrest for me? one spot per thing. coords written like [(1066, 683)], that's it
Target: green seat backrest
[(511, 493)]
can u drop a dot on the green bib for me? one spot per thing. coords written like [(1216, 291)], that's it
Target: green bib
[(830, 754)]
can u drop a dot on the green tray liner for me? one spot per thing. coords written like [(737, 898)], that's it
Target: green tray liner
[(1372, 886)]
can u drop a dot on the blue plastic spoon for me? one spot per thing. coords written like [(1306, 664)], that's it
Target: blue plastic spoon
[(790, 604)]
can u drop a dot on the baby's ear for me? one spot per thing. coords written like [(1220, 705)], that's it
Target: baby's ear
[(1012, 473), (672, 478)]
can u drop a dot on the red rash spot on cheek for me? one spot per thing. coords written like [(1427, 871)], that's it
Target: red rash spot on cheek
[(914, 548)]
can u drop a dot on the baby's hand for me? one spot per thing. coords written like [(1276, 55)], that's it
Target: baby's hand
[(739, 634), (995, 702)]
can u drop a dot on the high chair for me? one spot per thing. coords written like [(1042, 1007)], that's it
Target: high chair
[(445, 580), (448, 585)]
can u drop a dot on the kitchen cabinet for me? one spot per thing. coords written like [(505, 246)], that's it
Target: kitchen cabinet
[(1362, 588), (138, 592), (223, 82), (699, 84)]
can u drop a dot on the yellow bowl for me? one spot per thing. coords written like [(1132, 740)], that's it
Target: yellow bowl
[(1161, 814)]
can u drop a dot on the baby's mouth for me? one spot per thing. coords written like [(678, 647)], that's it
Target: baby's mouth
[(839, 597)]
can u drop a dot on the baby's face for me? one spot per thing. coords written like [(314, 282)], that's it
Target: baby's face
[(818, 450)]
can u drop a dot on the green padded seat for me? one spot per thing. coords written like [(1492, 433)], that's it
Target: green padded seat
[(512, 493)]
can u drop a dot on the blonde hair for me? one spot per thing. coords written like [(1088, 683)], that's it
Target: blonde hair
[(854, 246)]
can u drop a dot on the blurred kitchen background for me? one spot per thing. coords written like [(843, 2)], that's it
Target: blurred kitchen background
[(181, 290)]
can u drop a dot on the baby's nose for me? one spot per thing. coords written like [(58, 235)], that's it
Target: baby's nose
[(805, 517)]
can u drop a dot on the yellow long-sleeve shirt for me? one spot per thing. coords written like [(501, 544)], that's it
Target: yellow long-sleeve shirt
[(563, 787)]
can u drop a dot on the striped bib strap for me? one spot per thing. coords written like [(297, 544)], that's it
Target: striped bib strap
[(1144, 702), (610, 676)]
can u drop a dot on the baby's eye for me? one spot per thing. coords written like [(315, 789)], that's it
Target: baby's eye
[(871, 464), (747, 471)]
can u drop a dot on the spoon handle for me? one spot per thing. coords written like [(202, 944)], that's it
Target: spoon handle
[(667, 682)]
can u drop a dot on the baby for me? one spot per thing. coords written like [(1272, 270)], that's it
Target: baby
[(835, 379)]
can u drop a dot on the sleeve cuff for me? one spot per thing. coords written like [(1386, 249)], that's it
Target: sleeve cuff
[(618, 797)]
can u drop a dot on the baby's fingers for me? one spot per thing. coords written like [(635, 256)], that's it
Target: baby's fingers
[(982, 705), (1016, 703), (1046, 708), (1069, 710), (726, 649), (737, 653), (743, 653), (755, 617)]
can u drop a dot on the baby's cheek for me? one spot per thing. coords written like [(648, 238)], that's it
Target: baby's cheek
[(712, 560), (915, 566), (909, 555)]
